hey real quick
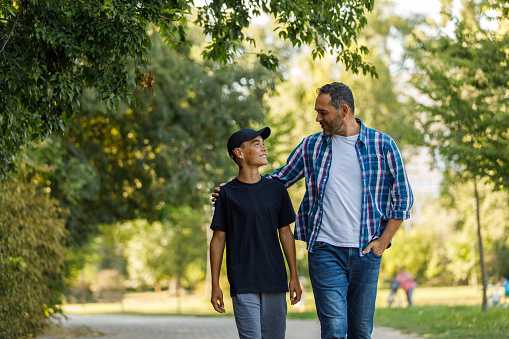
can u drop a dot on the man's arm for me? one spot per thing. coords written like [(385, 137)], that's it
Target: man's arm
[(379, 245), (293, 170), (402, 200), (217, 244), (288, 174), (288, 244), (401, 192)]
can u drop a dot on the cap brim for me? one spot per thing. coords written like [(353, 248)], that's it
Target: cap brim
[(264, 133)]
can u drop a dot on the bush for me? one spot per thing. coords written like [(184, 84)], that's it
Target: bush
[(32, 255)]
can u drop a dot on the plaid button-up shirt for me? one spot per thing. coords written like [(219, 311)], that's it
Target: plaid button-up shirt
[(386, 192)]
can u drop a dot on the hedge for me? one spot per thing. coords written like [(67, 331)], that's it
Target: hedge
[(32, 255)]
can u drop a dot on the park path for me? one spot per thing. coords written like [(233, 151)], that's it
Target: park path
[(190, 327)]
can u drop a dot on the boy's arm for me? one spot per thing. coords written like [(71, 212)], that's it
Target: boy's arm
[(288, 243), (217, 244)]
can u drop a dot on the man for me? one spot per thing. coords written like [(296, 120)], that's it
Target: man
[(357, 195)]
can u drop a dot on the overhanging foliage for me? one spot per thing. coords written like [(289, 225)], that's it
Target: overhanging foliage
[(51, 50)]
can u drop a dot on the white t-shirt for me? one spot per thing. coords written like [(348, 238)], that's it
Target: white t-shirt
[(342, 200)]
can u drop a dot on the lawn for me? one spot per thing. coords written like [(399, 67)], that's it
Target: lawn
[(447, 321), (444, 312), (439, 312)]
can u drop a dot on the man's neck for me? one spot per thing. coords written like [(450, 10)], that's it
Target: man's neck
[(351, 127), (249, 175)]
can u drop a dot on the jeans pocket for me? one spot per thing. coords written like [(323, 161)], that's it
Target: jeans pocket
[(373, 255), (318, 245)]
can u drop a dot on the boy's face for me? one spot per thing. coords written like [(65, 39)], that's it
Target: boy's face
[(254, 152)]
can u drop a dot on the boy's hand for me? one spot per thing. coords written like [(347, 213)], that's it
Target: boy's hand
[(295, 291), (217, 300), (215, 195)]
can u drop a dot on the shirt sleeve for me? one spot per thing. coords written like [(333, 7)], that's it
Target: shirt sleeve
[(219, 218), (287, 213), (402, 197), (293, 171)]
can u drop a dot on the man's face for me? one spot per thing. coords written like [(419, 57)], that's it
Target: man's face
[(327, 115), (254, 151)]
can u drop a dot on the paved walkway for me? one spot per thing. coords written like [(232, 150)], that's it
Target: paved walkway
[(189, 327)]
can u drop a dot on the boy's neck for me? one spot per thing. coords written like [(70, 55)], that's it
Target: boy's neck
[(249, 175)]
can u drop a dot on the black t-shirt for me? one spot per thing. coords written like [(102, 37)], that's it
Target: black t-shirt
[(251, 214)]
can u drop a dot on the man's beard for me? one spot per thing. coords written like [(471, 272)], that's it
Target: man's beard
[(334, 127)]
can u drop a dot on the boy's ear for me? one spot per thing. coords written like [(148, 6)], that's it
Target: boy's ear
[(238, 153)]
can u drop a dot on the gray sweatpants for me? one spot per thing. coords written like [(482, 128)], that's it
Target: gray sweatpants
[(260, 315)]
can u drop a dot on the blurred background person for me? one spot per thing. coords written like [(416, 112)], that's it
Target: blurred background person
[(407, 282)]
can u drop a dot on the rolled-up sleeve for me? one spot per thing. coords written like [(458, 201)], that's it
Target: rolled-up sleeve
[(293, 170), (402, 197)]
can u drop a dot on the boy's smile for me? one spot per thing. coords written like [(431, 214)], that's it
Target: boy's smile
[(254, 152)]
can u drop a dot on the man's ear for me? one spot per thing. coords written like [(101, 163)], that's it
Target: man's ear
[(344, 110)]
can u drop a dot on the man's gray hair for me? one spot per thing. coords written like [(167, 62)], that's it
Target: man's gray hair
[(340, 95)]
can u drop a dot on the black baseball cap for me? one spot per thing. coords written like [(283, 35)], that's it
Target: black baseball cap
[(237, 138)]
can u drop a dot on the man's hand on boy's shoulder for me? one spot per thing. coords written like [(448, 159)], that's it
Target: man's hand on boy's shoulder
[(295, 291), (217, 300), (215, 195)]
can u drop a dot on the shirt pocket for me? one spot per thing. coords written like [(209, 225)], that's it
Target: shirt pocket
[(378, 176), (376, 170)]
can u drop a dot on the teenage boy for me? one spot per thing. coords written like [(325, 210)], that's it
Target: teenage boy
[(250, 213)]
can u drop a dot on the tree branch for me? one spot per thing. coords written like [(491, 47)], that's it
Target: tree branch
[(7, 40), (167, 19)]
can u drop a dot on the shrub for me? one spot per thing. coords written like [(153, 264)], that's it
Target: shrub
[(32, 255)]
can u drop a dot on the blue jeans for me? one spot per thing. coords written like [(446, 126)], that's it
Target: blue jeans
[(345, 286), (409, 297), (260, 315)]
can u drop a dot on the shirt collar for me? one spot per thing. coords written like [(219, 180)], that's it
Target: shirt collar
[(363, 131)]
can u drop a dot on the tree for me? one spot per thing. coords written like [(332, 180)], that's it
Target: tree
[(53, 49), (115, 166), (465, 79)]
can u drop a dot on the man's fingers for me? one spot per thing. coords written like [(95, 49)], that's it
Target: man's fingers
[(215, 195), (217, 189), (368, 248)]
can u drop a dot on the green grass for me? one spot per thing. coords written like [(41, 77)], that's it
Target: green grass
[(447, 321), (449, 296)]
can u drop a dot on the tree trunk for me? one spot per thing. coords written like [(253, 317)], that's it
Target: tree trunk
[(481, 252)]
